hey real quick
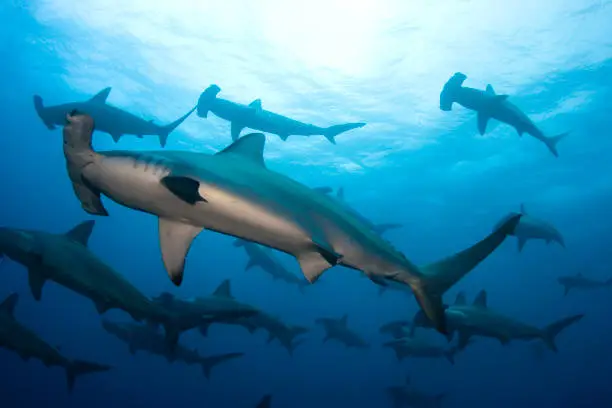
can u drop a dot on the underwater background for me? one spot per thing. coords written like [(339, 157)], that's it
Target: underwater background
[(326, 62)]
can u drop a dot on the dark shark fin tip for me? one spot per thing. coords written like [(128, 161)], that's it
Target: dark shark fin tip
[(175, 239)]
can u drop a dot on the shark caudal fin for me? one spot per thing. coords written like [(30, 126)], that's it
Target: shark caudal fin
[(331, 132), (164, 131), (551, 142), (208, 363), (437, 278), (40, 110), (550, 332), (77, 368)]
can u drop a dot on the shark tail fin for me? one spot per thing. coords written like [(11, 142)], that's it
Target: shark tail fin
[(550, 332), (40, 110), (551, 142), (331, 132), (164, 131), (77, 368), (438, 277), (208, 363), (265, 402)]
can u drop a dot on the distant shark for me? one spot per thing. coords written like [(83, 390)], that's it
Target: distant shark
[(378, 228), (67, 260), (533, 228), (253, 116), (146, 338), (109, 119), (218, 307), (18, 338), (412, 347), (396, 329), (286, 335), (581, 282), (407, 396), (233, 192), (489, 105), (265, 259), (337, 329), (478, 319)]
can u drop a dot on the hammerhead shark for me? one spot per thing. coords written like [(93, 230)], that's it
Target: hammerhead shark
[(378, 228), (109, 119), (581, 282), (407, 347), (18, 338), (253, 116), (287, 335), (337, 329), (148, 339), (396, 329), (233, 192), (265, 259), (533, 228), (407, 396), (218, 307), (478, 319), (489, 105), (66, 259)]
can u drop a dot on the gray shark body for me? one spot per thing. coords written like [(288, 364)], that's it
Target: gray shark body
[(396, 329), (478, 319), (145, 338), (254, 117), (265, 259), (337, 329), (218, 307), (413, 347), (530, 228), (109, 119), (233, 192), (581, 282), (18, 338), (408, 396), (490, 105), (66, 259)]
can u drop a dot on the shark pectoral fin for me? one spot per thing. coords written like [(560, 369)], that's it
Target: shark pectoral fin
[(101, 96), (483, 119), (185, 188), (235, 130), (88, 195), (175, 239), (36, 280), (314, 263)]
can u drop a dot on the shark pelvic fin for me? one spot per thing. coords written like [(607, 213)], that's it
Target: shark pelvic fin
[(81, 232), (9, 303), (36, 280), (184, 188), (249, 147), (101, 96), (483, 119), (175, 239)]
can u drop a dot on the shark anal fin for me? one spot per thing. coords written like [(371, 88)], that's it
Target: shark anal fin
[(101, 96), (185, 188), (483, 119), (175, 239), (36, 280), (235, 130)]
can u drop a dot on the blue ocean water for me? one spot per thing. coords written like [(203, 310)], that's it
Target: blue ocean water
[(326, 62)]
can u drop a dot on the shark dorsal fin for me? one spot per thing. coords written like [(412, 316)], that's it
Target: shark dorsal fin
[(249, 147), (460, 300), (101, 96), (81, 232), (523, 209), (490, 89), (340, 193), (344, 319), (481, 299), (224, 289), (256, 104), (8, 304)]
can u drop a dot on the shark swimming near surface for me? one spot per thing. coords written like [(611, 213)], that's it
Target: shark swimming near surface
[(109, 119), (66, 260), (533, 228), (148, 339), (337, 329), (18, 338), (478, 319), (265, 259), (253, 116), (581, 282), (490, 105), (408, 396), (234, 193)]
